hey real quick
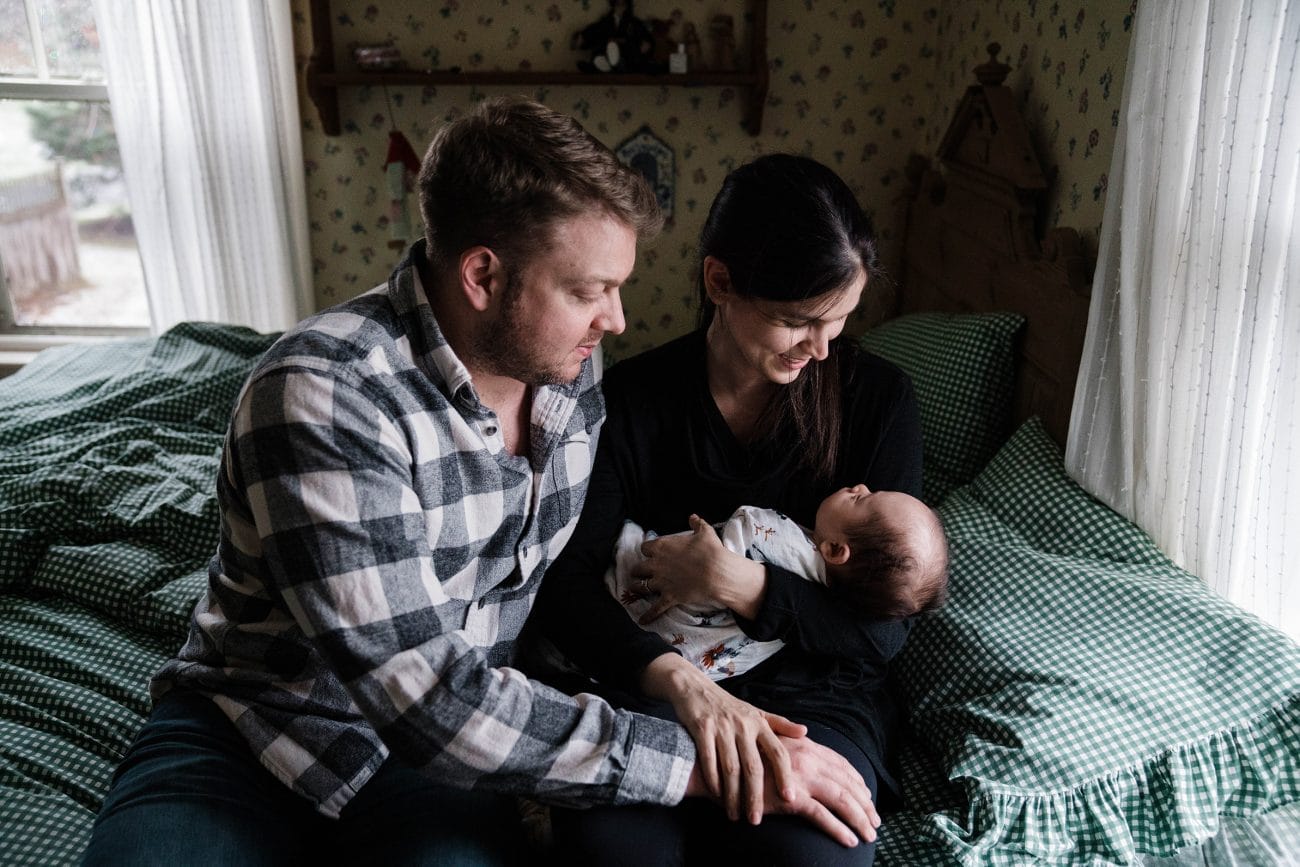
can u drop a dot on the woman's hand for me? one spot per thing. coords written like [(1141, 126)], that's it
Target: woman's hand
[(735, 742), (697, 569)]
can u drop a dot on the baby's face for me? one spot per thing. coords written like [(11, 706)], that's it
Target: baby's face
[(851, 507)]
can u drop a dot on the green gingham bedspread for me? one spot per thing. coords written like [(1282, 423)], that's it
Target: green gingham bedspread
[(108, 457), (1081, 699)]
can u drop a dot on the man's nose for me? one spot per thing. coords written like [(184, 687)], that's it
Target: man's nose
[(610, 319)]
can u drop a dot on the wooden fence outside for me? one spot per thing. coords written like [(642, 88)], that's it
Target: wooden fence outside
[(38, 236)]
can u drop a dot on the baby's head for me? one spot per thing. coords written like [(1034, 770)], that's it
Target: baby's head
[(884, 550)]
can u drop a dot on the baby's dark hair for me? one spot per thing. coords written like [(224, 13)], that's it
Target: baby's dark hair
[(886, 575)]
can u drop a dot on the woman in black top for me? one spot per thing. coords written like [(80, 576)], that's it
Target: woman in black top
[(761, 405)]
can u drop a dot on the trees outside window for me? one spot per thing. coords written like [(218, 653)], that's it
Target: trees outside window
[(68, 255)]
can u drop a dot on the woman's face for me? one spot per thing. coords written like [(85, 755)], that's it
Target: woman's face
[(779, 339)]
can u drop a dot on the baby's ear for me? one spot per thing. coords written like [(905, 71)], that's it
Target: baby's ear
[(834, 553)]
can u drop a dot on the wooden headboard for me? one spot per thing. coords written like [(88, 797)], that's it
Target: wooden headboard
[(972, 245)]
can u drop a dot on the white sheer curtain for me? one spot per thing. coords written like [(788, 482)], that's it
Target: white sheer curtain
[(1187, 413), (206, 113)]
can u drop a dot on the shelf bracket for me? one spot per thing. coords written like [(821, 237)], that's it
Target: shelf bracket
[(325, 96)]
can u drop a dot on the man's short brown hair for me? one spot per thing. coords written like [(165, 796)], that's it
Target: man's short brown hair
[(505, 174)]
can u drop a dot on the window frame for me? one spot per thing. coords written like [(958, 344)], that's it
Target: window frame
[(22, 339)]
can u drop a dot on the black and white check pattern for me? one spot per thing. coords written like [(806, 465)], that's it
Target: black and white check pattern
[(380, 551)]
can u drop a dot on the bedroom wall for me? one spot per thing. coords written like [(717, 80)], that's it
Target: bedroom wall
[(855, 85), (1067, 68)]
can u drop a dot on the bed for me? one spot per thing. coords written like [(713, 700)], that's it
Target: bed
[(108, 458), (1080, 700)]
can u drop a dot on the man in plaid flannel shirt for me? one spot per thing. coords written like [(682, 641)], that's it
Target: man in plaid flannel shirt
[(399, 472)]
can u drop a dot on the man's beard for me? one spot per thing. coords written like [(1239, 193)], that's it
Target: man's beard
[(502, 348)]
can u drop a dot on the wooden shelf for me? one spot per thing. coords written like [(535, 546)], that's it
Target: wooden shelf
[(323, 82), (592, 79)]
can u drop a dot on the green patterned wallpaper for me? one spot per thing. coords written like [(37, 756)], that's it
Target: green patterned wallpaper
[(856, 85)]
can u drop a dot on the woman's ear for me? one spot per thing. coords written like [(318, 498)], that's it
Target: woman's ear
[(717, 280), (834, 553), (481, 276)]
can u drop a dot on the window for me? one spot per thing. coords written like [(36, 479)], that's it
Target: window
[(69, 262)]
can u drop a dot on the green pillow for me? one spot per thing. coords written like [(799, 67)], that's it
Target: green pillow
[(963, 369), (1086, 698)]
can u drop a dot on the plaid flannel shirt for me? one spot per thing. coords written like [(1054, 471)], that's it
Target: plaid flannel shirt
[(380, 551)]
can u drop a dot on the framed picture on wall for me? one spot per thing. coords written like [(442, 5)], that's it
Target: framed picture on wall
[(644, 152)]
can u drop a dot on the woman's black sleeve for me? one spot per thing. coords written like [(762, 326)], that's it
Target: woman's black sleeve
[(807, 615)]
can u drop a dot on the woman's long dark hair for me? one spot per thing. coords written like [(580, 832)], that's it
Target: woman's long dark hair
[(789, 229)]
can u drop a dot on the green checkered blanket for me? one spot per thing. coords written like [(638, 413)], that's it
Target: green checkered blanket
[(1081, 699), (108, 457)]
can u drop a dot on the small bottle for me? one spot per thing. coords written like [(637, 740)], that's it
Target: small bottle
[(677, 60)]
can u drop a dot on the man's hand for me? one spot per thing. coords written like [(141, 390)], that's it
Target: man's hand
[(823, 788), (830, 793)]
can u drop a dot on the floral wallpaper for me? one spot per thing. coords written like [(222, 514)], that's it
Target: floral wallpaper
[(857, 85), (1067, 67)]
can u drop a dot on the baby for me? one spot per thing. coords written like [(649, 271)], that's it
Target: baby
[(883, 551)]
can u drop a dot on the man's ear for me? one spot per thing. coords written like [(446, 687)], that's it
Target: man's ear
[(482, 276), (834, 553), (717, 281)]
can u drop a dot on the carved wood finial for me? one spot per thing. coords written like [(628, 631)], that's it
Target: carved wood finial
[(991, 73)]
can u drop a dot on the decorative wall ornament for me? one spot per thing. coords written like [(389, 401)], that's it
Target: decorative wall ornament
[(644, 152)]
